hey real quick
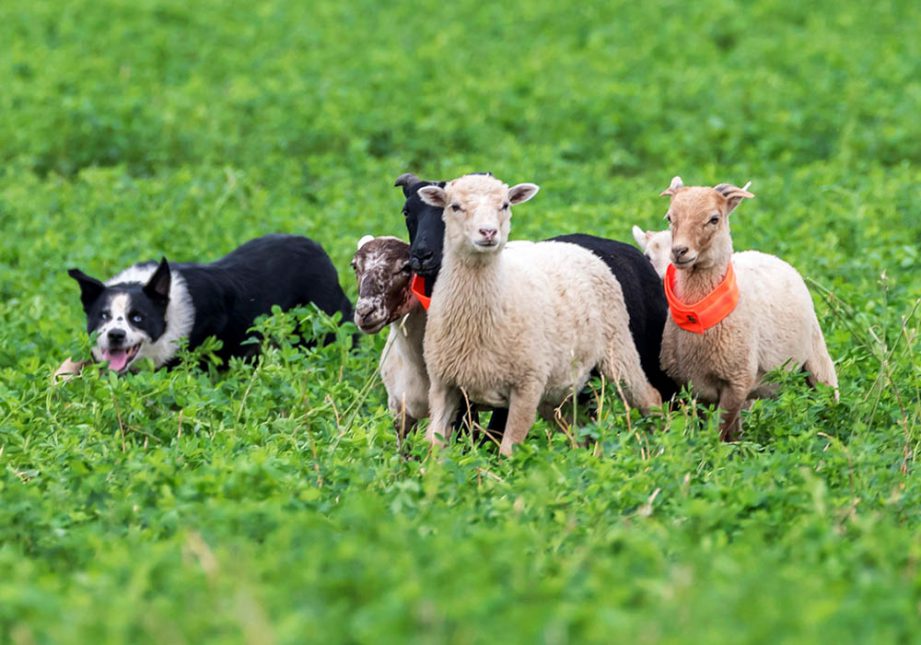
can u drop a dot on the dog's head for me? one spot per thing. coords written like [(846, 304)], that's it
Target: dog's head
[(128, 315)]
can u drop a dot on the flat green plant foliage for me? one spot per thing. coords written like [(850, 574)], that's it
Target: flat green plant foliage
[(270, 503)]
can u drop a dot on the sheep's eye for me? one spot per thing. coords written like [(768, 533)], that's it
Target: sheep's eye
[(668, 217), (456, 208), (505, 206), (353, 265), (714, 219), (136, 318)]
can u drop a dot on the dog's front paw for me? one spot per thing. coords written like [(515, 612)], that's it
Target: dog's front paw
[(68, 370)]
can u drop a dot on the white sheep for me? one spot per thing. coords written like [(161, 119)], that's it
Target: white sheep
[(656, 246), (522, 328), (773, 325), (384, 297)]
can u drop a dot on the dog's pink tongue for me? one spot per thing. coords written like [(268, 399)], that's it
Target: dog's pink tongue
[(117, 358)]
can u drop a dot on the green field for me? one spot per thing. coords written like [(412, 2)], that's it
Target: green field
[(269, 503)]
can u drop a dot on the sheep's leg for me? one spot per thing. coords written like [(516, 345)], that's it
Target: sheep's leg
[(496, 427), (444, 401), (732, 400), (404, 424), (522, 412), (623, 364)]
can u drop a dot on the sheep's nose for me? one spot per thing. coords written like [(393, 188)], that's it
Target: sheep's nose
[(421, 260), (116, 336), (489, 233), (679, 252)]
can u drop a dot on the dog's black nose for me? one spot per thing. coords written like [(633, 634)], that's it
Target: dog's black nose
[(116, 336)]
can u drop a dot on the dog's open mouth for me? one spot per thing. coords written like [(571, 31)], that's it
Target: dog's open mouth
[(119, 359)]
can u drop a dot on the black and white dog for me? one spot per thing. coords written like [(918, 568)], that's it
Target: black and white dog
[(144, 311)]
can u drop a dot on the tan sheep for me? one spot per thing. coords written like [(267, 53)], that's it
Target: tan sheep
[(512, 328), (772, 326)]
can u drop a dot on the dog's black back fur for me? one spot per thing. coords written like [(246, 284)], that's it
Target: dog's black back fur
[(643, 294), (284, 270)]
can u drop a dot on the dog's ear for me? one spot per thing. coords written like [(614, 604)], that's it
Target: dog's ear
[(90, 288), (157, 288)]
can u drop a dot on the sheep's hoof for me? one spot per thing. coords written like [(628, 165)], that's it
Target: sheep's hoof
[(435, 440)]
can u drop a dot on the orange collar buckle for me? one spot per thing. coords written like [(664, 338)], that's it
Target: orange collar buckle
[(707, 312), (417, 287)]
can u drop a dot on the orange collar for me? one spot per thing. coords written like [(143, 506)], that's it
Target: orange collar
[(417, 286), (705, 313)]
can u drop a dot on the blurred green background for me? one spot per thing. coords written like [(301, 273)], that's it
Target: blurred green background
[(269, 503)]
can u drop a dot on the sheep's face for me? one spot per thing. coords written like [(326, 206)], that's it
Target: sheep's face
[(424, 225), (476, 211), (656, 246), (698, 219), (382, 269)]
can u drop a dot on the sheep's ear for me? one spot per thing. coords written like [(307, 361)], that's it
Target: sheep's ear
[(672, 187), (364, 240), (159, 284), (406, 181), (641, 237), (520, 193), (434, 196), (733, 194)]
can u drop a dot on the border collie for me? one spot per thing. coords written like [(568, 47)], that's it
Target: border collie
[(144, 311)]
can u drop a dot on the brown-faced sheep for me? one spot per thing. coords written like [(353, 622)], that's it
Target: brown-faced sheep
[(382, 269), (773, 325)]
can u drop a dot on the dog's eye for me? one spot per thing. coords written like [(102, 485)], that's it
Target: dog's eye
[(105, 315), (456, 208), (405, 212), (136, 318)]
